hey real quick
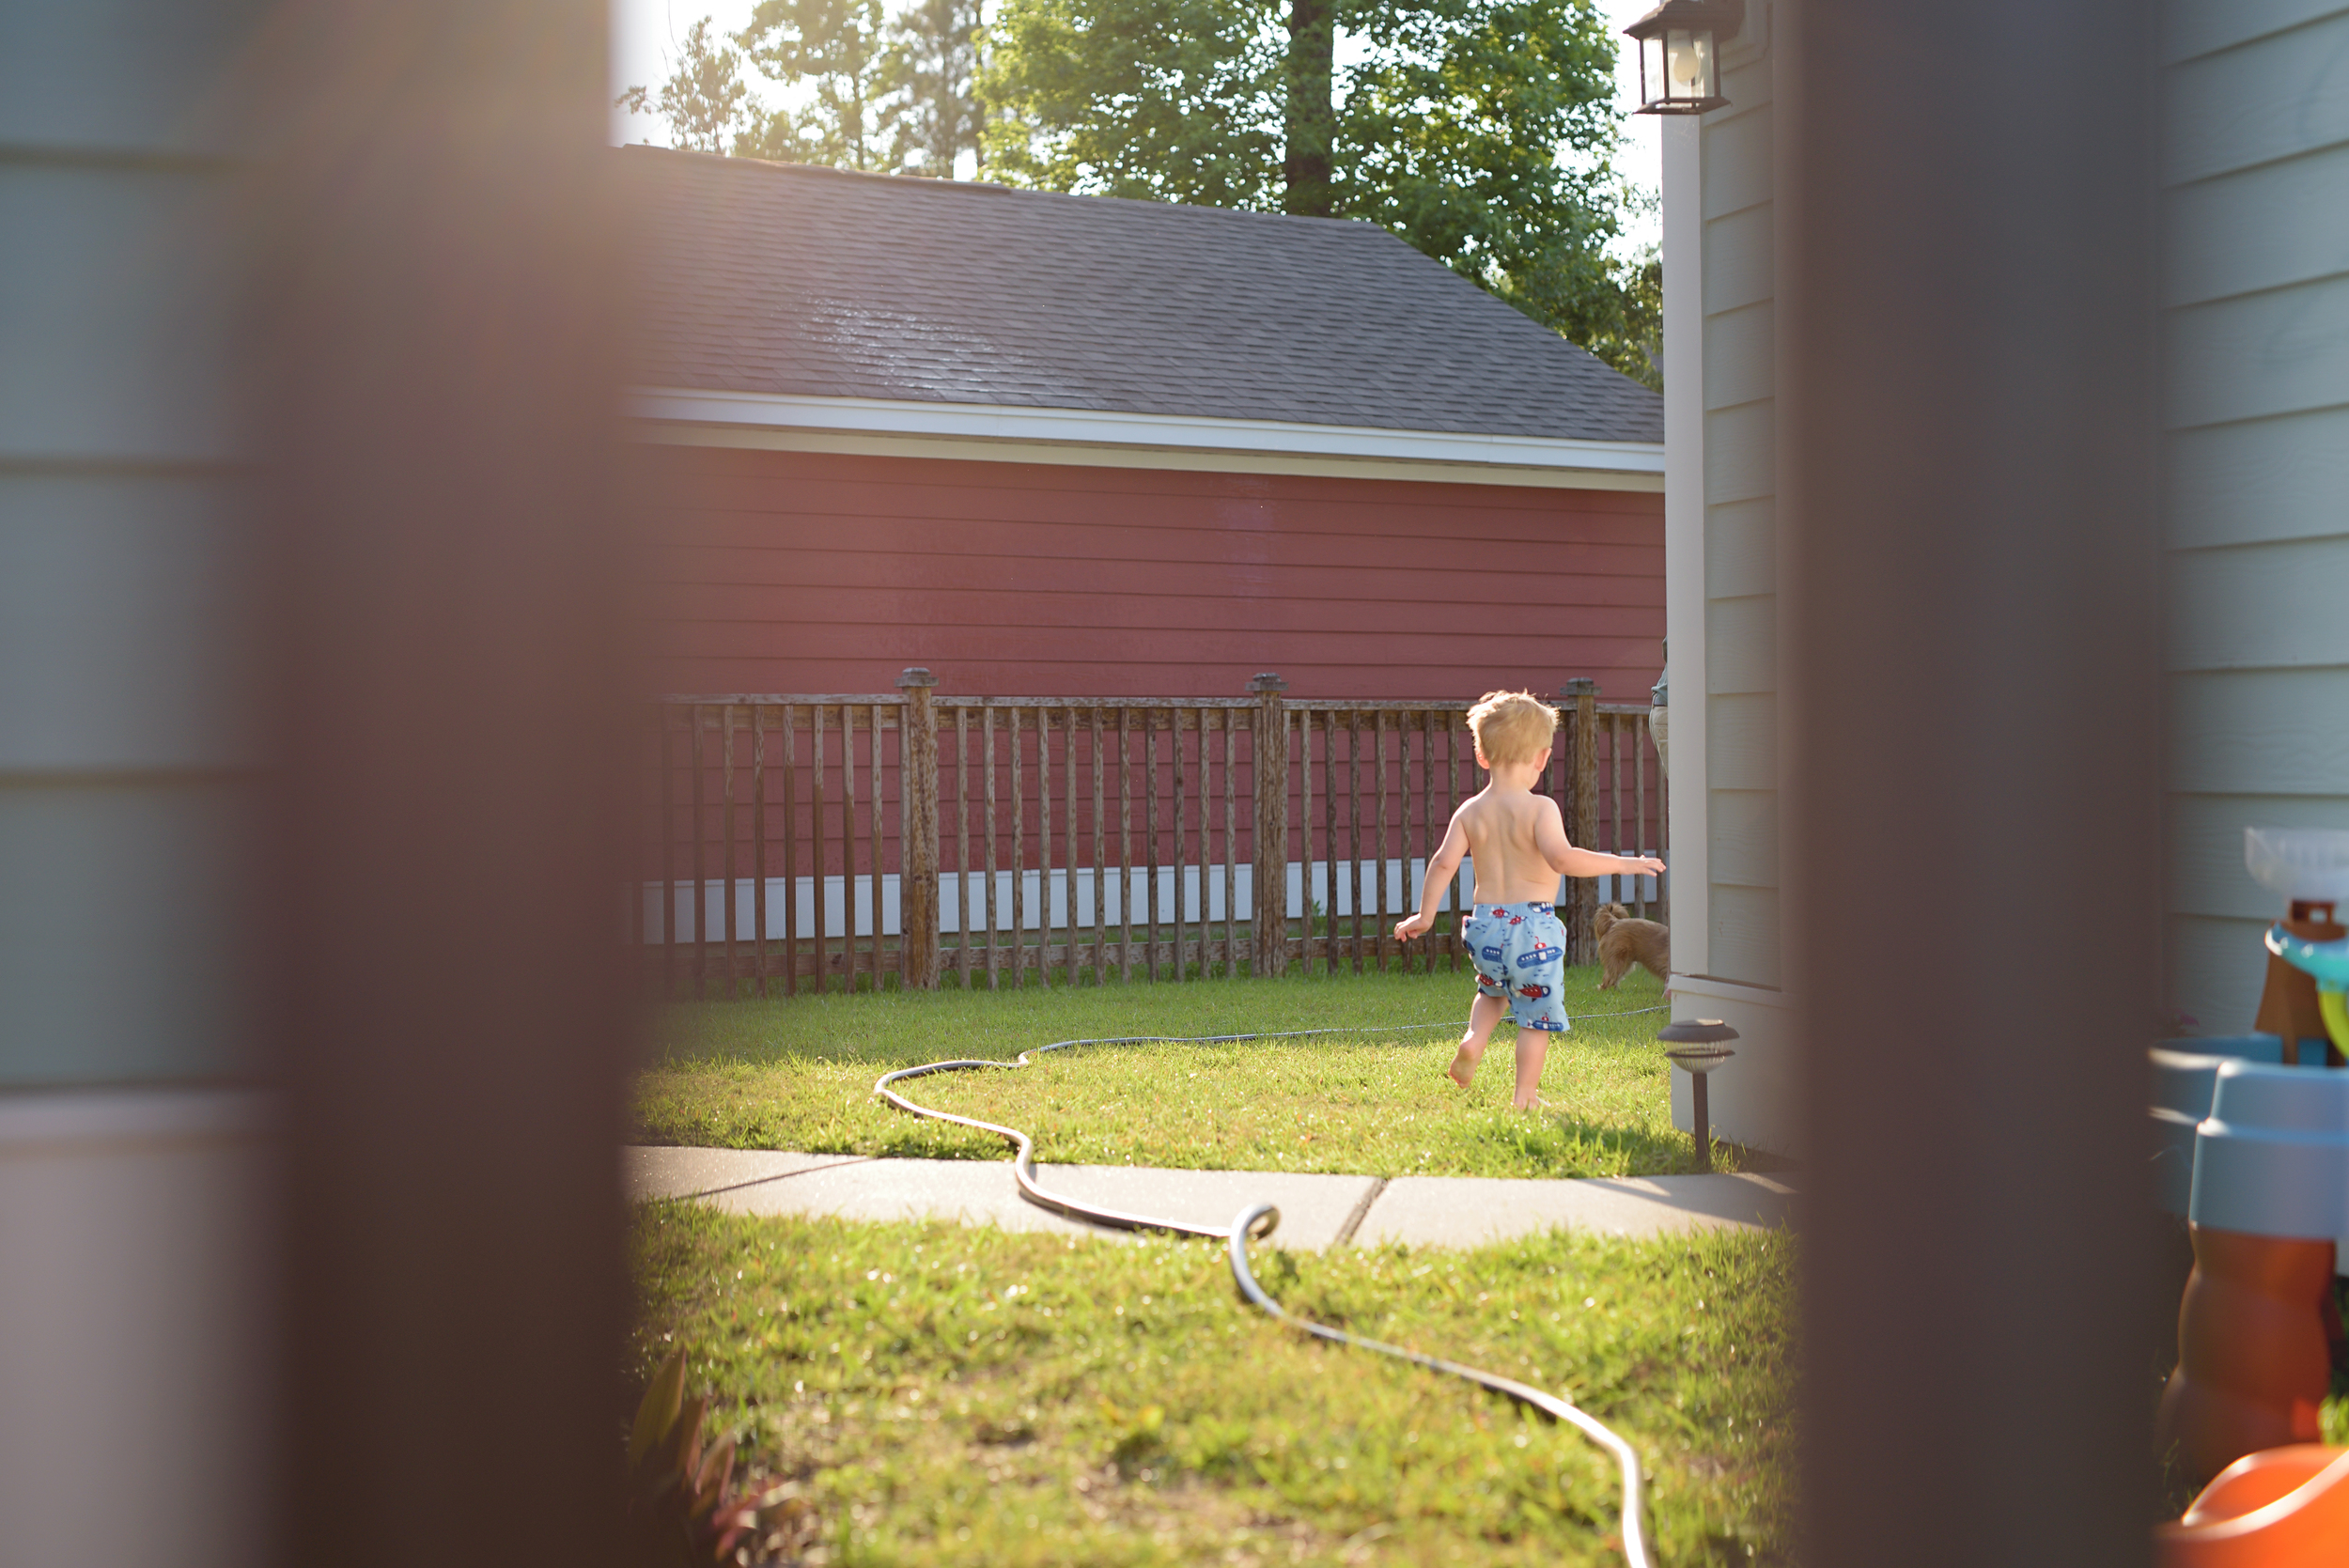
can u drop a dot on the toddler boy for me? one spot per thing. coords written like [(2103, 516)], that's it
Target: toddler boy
[(1518, 844)]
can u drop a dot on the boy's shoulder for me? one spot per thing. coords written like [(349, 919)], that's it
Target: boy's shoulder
[(1536, 804)]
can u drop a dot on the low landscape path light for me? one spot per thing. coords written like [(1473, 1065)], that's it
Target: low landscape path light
[(1696, 1046)]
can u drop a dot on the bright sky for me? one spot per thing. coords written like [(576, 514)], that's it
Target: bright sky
[(646, 37), (648, 34)]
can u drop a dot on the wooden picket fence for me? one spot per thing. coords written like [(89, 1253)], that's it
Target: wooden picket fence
[(800, 842)]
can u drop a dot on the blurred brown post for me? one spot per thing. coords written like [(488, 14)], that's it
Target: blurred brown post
[(1968, 406), (440, 318), (1272, 873), (1582, 769), (917, 796)]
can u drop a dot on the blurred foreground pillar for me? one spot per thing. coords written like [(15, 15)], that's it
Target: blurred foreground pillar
[(309, 1063), (1966, 269), (439, 315)]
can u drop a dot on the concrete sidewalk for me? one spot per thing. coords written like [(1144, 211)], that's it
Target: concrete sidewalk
[(1317, 1212)]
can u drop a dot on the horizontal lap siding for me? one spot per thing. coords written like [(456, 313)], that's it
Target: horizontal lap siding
[(131, 750), (2256, 270), (773, 572)]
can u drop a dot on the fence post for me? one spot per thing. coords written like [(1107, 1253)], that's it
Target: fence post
[(1271, 872), (1583, 762), (917, 796)]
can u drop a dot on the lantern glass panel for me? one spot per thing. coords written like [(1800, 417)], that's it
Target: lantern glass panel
[(1690, 59)]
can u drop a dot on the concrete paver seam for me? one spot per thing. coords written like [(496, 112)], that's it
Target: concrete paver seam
[(780, 1176), (1360, 1211)]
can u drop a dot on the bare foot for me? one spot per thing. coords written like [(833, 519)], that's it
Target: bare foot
[(1463, 1068)]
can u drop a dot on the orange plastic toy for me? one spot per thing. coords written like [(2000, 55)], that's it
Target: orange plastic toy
[(2255, 1348), (2279, 1508)]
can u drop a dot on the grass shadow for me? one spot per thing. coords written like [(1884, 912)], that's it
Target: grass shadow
[(1628, 1150)]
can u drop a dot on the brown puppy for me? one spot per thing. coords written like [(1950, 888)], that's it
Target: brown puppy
[(1623, 941)]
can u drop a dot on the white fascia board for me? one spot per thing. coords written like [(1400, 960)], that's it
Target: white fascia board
[(1641, 462)]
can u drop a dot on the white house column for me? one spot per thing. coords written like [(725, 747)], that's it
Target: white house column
[(1684, 535)]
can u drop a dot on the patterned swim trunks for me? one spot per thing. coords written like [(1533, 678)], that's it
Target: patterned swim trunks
[(1519, 951)]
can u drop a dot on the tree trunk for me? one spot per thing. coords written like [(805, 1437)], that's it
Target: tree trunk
[(1311, 121)]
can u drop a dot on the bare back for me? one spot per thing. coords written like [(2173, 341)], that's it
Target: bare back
[(1510, 834)]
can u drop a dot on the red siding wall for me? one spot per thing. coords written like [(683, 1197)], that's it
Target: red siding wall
[(777, 572)]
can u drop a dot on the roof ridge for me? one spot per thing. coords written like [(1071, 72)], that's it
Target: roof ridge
[(985, 187)]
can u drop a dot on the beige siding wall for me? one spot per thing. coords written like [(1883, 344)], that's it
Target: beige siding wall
[(135, 1275), (2256, 335), (1741, 524)]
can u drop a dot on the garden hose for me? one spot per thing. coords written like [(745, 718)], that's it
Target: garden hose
[(1258, 1222)]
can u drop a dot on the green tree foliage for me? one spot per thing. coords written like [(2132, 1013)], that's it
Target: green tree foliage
[(1482, 131), (837, 48), (1629, 336), (930, 109), (1164, 100), (1450, 134)]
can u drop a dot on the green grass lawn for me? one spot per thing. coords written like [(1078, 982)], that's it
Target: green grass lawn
[(798, 1074), (965, 1396)]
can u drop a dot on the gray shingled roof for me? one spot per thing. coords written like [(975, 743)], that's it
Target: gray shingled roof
[(783, 278)]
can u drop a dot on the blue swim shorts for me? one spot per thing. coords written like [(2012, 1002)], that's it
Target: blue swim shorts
[(1519, 951)]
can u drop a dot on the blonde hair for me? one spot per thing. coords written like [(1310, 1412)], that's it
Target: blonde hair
[(1511, 726)]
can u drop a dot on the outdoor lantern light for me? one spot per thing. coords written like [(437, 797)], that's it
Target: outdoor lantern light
[(1680, 56)]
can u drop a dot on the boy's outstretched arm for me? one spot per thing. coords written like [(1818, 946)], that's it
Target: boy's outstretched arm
[(1441, 871), (1549, 837)]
